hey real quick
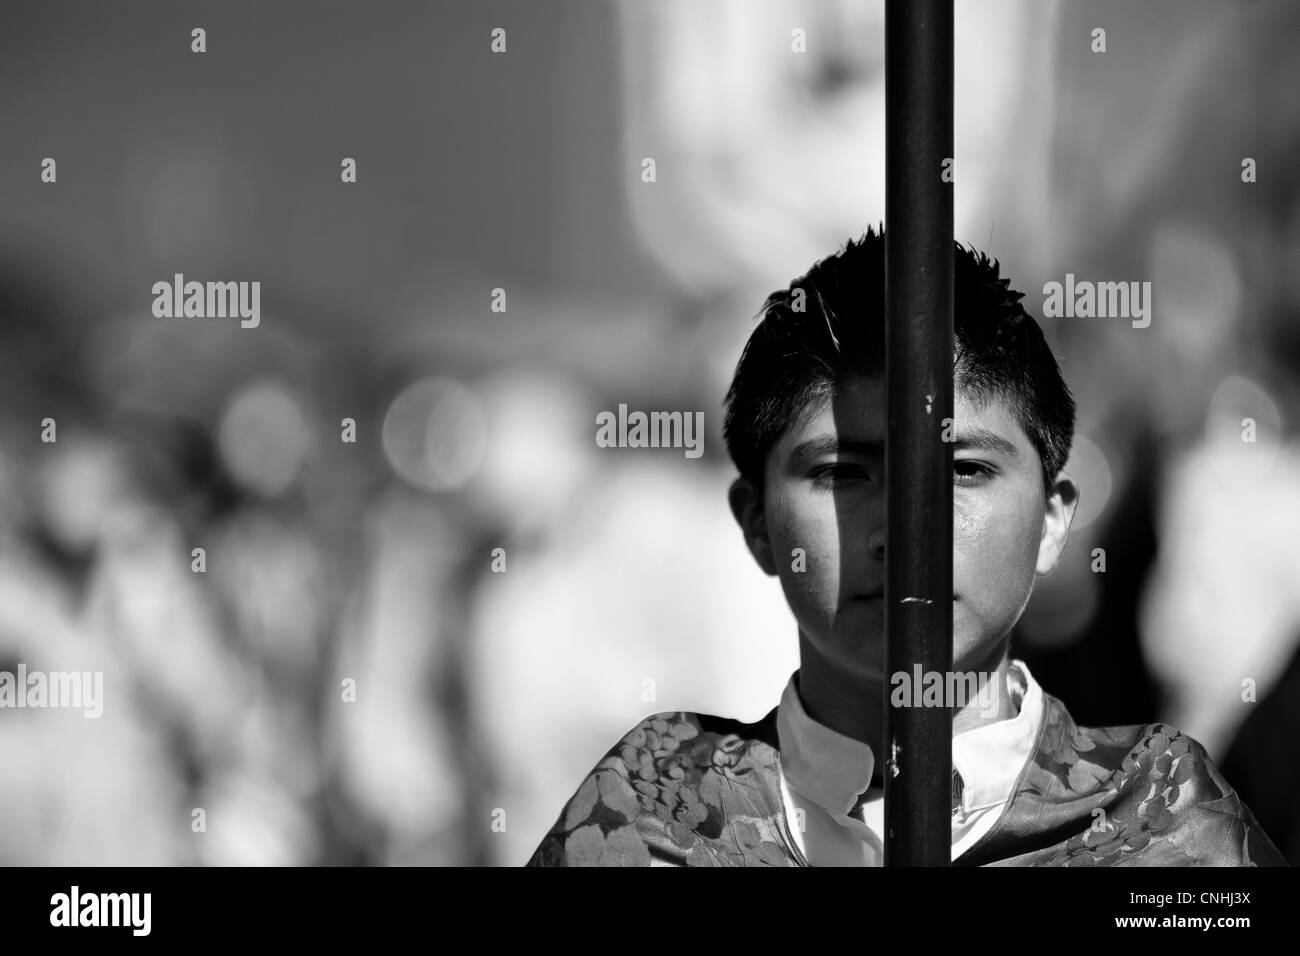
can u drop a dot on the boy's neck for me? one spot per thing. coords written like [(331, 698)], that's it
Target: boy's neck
[(855, 708)]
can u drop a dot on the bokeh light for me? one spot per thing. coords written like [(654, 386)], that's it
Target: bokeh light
[(435, 434)]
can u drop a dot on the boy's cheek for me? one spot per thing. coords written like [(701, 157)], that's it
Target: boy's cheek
[(993, 574), (795, 524), (993, 597), (966, 521), (810, 579), (988, 543), (811, 604)]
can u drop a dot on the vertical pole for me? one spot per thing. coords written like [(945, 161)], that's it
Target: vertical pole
[(918, 463)]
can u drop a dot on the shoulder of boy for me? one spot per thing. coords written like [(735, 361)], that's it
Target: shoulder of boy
[(1149, 793), (657, 792)]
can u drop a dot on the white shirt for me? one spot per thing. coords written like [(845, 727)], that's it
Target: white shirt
[(823, 772)]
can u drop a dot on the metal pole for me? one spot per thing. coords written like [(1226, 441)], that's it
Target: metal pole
[(918, 462)]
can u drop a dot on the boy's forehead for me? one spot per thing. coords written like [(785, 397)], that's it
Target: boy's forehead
[(855, 413)]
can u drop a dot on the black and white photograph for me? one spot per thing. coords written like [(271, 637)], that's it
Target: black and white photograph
[(649, 433)]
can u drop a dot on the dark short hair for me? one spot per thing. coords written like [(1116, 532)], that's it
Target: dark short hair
[(796, 355)]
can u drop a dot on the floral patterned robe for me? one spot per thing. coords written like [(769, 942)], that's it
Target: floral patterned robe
[(683, 789)]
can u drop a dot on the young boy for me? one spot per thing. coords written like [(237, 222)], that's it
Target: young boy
[(805, 425)]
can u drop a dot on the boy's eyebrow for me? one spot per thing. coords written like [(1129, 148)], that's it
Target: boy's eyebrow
[(833, 444), (971, 439), (984, 440)]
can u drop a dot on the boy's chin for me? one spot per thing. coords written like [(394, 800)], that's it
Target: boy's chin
[(868, 666), (863, 651)]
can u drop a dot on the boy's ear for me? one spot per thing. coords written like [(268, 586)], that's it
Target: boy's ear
[(747, 508), (1062, 501)]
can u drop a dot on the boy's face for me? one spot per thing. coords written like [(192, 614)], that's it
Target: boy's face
[(825, 494)]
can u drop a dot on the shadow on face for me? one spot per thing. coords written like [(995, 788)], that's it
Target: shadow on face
[(823, 527)]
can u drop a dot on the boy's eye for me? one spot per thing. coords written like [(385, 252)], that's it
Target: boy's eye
[(839, 473), (964, 473), (970, 472)]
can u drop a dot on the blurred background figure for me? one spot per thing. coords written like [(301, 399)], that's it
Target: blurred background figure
[(362, 587)]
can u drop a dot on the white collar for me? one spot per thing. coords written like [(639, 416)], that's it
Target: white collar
[(833, 770)]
